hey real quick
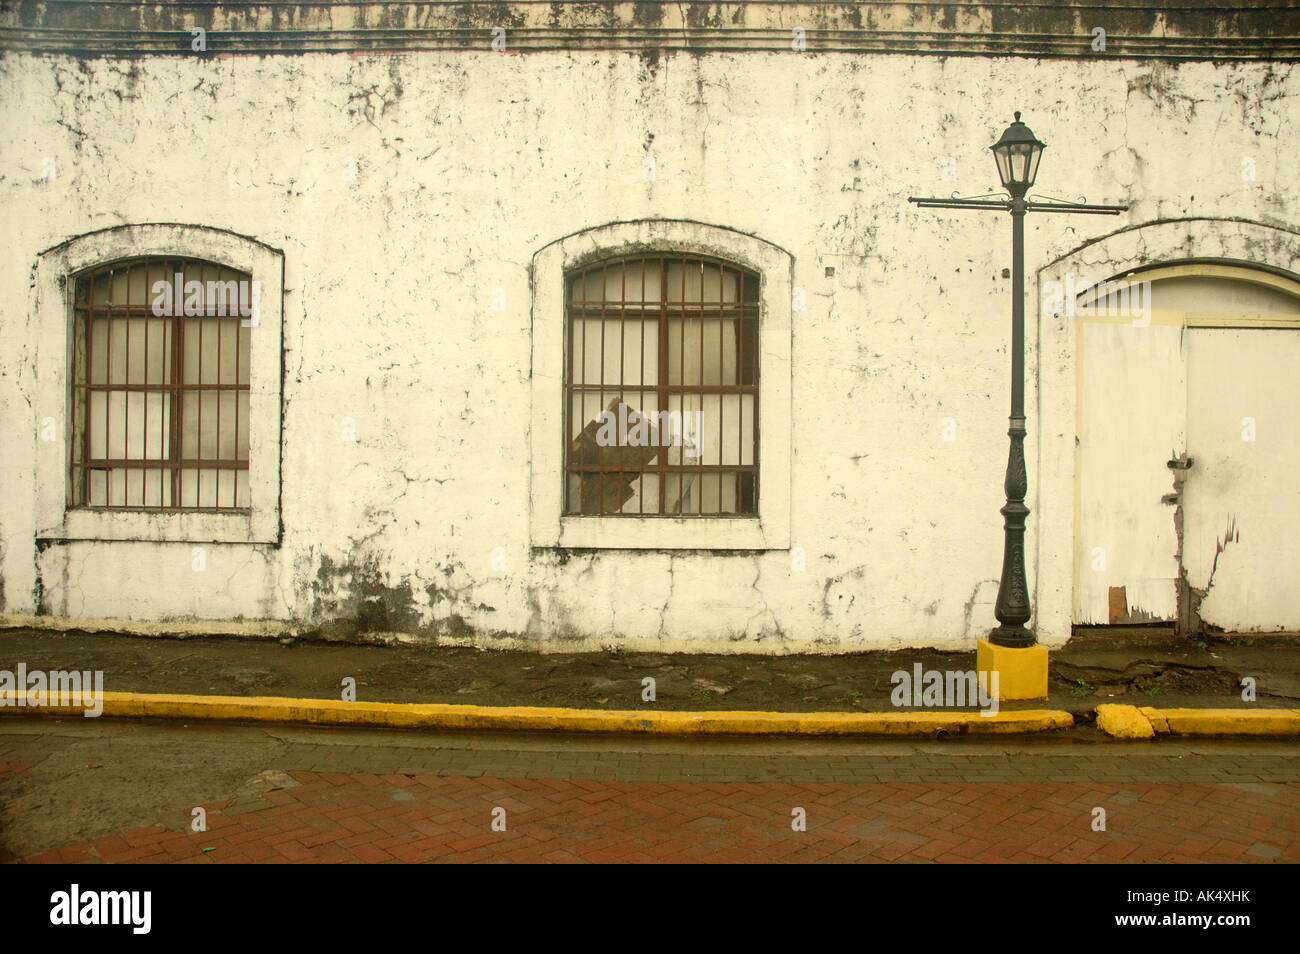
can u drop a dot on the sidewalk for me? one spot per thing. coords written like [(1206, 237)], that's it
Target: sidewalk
[(126, 791), (1138, 667), (336, 818)]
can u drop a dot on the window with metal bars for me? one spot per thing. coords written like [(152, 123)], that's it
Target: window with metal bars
[(662, 375), (161, 386)]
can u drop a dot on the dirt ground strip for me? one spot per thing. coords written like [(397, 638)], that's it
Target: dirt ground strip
[(1142, 666)]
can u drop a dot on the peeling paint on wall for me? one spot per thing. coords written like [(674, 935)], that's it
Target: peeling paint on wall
[(468, 163), (1197, 594)]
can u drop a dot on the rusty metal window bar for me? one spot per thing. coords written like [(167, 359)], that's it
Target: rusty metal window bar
[(161, 386), (662, 387)]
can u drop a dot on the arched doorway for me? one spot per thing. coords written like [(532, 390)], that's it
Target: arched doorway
[(1187, 500)]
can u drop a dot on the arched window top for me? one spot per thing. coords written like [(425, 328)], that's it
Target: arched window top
[(1198, 288), (704, 282), (166, 284), (164, 239), (1208, 287)]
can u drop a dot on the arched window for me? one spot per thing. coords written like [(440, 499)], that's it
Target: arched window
[(662, 386), (655, 425), (161, 376), (160, 384)]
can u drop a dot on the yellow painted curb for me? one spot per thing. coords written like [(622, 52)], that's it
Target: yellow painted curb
[(1145, 722), (442, 716), (1124, 722), (1231, 721), (1158, 722)]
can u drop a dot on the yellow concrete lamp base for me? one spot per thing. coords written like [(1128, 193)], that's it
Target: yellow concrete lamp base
[(1022, 673)]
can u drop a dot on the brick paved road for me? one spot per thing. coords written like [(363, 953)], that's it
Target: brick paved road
[(125, 792)]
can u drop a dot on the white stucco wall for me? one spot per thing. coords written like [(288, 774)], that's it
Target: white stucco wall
[(468, 164)]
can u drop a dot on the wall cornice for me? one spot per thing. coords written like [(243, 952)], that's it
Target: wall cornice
[(1173, 30)]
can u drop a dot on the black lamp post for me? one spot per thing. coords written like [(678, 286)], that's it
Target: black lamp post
[(1017, 155)]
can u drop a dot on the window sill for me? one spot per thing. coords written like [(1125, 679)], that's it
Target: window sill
[(668, 533), (166, 526)]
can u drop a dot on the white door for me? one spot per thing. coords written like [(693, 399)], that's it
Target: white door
[(1241, 499)]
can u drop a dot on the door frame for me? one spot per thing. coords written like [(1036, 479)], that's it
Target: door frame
[(1187, 620), (1052, 363)]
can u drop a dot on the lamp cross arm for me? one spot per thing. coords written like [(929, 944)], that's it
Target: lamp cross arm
[(1003, 205), (1083, 208)]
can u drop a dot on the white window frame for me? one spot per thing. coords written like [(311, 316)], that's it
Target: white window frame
[(549, 526), (56, 517)]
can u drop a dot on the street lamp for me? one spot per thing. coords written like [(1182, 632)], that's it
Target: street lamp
[(1017, 155)]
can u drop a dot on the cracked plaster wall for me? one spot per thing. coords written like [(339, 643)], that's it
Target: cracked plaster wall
[(466, 165)]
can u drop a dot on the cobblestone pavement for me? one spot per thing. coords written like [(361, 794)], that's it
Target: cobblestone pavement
[(126, 791)]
